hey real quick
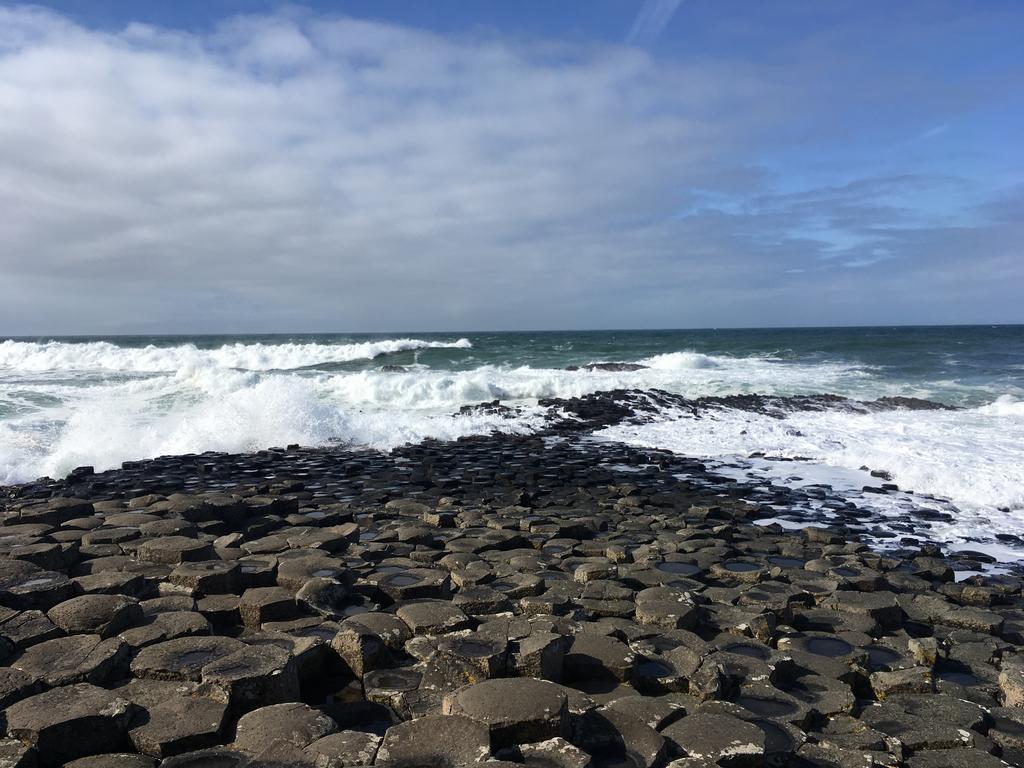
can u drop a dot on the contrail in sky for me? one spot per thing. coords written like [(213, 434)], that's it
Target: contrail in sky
[(651, 21)]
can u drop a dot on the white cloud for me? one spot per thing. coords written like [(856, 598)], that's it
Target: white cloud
[(326, 169), (301, 172)]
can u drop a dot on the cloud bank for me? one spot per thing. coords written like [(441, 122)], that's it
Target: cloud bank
[(309, 172)]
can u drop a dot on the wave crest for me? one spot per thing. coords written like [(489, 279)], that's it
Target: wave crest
[(677, 361), (105, 356)]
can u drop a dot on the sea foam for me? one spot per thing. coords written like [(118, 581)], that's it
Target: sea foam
[(207, 401), (105, 356), (972, 457)]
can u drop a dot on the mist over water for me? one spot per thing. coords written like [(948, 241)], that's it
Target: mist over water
[(100, 401)]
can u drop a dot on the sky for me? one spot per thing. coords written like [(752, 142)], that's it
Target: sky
[(221, 166)]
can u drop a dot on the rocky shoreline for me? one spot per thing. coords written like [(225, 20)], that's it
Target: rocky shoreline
[(546, 600)]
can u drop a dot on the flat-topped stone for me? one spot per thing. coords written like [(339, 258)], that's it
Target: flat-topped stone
[(344, 749), (172, 550), (113, 760), (514, 710), (253, 677), (721, 739), (70, 722), (74, 659), (444, 741), (183, 658), (297, 725), (179, 724), (103, 615), (260, 604), (432, 617)]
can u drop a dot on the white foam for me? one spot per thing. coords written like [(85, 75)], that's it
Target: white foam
[(674, 361), (104, 356), (68, 404), (974, 458), (234, 413), (104, 405)]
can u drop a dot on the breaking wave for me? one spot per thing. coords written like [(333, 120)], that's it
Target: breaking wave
[(105, 356)]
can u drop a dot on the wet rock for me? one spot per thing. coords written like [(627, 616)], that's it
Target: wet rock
[(416, 584), (394, 580), (295, 571), (55, 511), (486, 656), (393, 688), (825, 696)]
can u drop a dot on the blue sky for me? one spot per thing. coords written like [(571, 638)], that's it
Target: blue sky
[(223, 166)]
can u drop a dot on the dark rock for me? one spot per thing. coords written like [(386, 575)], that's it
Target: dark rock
[(179, 724), (444, 741), (253, 677), (70, 722), (183, 658), (260, 604), (514, 710), (74, 659), (344, 749), (591, 656), (721, 738), (173, 550), (103, 615), (297, 725), (113, 760)]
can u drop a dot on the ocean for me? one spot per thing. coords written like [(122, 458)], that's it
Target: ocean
[(66, 402)]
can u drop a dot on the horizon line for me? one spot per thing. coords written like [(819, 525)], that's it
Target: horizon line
[(164, 334)]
